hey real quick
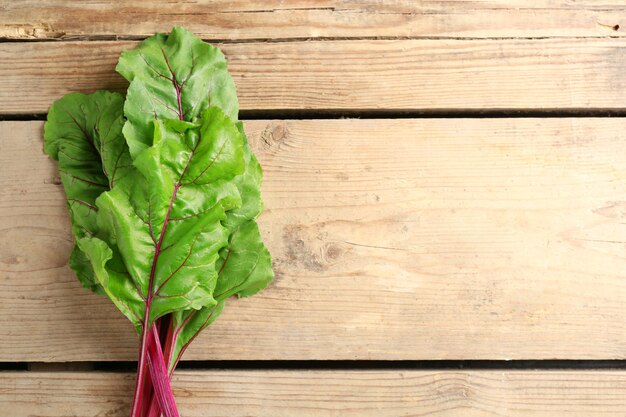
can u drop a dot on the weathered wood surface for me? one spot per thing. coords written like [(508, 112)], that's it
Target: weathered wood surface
[(275, 19), (327, 393), (393, 239), (352, 75)]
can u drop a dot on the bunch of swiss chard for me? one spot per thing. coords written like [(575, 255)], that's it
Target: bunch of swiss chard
[(163, 192)]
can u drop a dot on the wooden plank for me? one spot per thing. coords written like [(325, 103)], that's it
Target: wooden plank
[(352, 75), (275, 19), (392, 239), (327, 393)]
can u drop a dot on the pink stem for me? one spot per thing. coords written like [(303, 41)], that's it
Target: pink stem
[(140, 381), (160, 377), (154, 410)]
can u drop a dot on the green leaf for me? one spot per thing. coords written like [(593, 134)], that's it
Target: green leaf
[(175, 76), (81, 265), (249, 185), (187, 324), (245, 268), (245, 265), (111, 274), (84, 134), (167, 224)]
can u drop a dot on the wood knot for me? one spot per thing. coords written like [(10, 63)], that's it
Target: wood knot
[(308, 247), (274, 134)]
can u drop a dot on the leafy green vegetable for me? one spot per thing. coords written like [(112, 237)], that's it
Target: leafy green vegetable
[(84, 134), (163, 192), (173, 76)]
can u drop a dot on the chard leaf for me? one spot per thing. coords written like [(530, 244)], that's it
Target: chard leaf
[(167, 224), (244, 266), (163, 205), (175, 76), (81, 266), (249, 186), (111, 274), (84, 134)]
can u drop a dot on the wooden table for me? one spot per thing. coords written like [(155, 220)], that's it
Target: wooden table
[(446, 205)]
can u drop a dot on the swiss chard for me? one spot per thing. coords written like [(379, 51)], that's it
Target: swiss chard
[(163, 192)]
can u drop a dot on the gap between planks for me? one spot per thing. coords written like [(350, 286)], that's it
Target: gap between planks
[(293, 115), (310, 39), (303, 365)]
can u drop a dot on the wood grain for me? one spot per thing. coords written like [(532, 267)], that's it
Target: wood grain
[(327, 393), (352, 75), (392, 239), (275, 19)]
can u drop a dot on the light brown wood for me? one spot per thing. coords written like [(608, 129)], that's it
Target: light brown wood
[(352, 75), (274, 19), (392, 239), (327, 393)]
